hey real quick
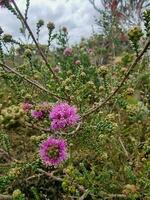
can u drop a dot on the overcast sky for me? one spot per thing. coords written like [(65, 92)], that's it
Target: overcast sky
[(77, 15)]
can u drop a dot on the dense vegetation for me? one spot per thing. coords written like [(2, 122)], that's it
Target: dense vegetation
[(74, 121)]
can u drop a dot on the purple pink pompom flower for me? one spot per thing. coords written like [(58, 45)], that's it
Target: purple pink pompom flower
[(68, 51), (37, 114), (63, 115), (53, 151)]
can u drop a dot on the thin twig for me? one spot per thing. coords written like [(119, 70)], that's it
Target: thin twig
[(114, 196), (101, 104), (51, 175), (49, 130), (5, 197), (5, 155), (76, 130), (94, 5), (123, 147), (30, 81), (33, 177), (84, 195), (32, 126)]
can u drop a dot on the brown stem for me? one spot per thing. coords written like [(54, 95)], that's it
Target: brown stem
[(84, 195), (115, 196), (5, 197), (37, 45), (94, 5), (137, 59), (51, 175), (30, 81), (33, 177), (123, 147), (37, 127)]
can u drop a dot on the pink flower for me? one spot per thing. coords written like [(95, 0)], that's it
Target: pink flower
[(56, 69), (90, 51), (26, 106), (37, 114), (63, 115), (64, 29), (53, 151), (68, 51), (77, 62), (3, 3)]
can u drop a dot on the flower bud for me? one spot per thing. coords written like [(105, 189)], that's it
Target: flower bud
[(135, 33), (51, 26), (40, 23), (28, 53), (16, 193), (7, 38)]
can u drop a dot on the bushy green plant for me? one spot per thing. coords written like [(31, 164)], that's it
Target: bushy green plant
[(60, 104)]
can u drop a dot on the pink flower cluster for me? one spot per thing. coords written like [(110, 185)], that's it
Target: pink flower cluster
[(37, 114), (68, 51), (39, 111), (53, 151), (63, 115)]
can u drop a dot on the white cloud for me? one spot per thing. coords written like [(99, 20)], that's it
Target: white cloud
[(76, 15)]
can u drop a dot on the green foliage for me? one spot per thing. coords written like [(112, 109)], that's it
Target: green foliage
[(109, 148)]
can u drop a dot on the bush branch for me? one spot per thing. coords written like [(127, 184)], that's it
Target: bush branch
[(30, 81)]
